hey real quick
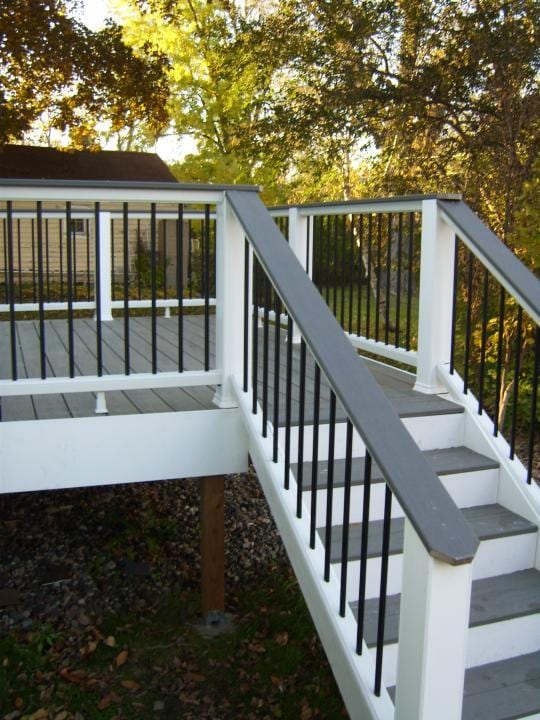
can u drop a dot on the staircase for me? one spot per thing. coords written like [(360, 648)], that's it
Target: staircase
[(347, 533)]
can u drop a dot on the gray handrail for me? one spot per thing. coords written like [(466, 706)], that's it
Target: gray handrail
[(434, 515), (369, 202), (513, 275)]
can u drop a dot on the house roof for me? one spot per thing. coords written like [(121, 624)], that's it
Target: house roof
[(37, 163)]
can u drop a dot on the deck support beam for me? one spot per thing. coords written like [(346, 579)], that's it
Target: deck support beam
[(212, 496)]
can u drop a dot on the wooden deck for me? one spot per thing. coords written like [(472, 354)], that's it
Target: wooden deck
[(398, 388)]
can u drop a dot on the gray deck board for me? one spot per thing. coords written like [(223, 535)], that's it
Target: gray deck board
[(493, 599), (444, 461), (398, 388), (503, 690), (487, 521)]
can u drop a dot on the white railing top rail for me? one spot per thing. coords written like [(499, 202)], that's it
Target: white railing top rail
[(15, 189), (403, 203)]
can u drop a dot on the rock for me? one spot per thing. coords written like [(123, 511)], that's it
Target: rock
[(133, 568), (9, 596)]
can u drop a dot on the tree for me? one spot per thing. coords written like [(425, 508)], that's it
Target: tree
[(221, 84), (85, 82)]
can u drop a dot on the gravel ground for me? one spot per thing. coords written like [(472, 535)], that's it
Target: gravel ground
[(69, 557)]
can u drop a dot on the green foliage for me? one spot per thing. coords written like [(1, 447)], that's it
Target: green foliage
[(56, 71)]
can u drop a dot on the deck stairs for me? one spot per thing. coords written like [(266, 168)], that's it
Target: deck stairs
[(502, 678)]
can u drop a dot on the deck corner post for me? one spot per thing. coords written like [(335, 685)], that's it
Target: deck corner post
[(298, 225), (230, 249), (435, 298), (212, 498), (433, 625), (105, 266)]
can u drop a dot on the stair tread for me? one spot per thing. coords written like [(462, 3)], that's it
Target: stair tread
[(445, 461), (493, 599), (503, 690), (487, 521)]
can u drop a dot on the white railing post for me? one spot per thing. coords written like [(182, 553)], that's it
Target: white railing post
[(434, 617), (105, 267), (298, 244), (230, 251), (435, 298)]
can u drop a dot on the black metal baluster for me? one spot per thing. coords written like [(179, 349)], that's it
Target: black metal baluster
[(88, 283), (409, 282), (388, 280), (207, 287), (454, 307), (498, 377), (301, 419), (61, 254), (335, 268), (125, 238), (164, 260), (351, 274), (33, 239), (515, 393), (315, 455), (180, 285), (47, 264), (483, 340), (533, 423), (153, 275), (399, 271), (382, 593), (113, 277), (73, 234), (12, 323), (468, 331), (190, 260), (97, 283), (363, 553), (360, 276), (288, 400), (41, 316), (277, 350), (69, 260), (368, 285), (255, 338), (378, 286), (246, 316), (328, 231), (139, 268), (342, 283), (6, 275), (330, 487), (309, 220), (266, 331), (346, 519), (20, 260)]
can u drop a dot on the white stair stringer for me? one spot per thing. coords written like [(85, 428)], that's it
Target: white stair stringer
[(354, 673)]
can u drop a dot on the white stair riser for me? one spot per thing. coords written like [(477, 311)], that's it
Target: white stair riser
[(494, 557), (429, 432), (466, 489), (485, 644), (505, 555)]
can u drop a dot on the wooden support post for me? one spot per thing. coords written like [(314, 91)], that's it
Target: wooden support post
[(212, 544)]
